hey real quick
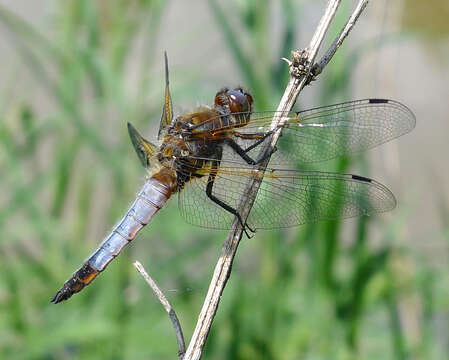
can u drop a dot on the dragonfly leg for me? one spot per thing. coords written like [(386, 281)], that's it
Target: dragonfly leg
[(267, 155), (209, 188), (240, 151), (260, 137)]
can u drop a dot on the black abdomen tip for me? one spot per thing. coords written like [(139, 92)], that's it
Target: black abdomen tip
[(62, 295), (76, 283)]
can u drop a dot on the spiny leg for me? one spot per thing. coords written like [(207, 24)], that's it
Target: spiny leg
[(242, 152), (209, 189), (260, 137)]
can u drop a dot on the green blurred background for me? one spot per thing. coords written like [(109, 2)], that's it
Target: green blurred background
[(72, 73)]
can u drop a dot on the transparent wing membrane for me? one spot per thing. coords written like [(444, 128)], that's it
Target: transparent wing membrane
[(167, 109), (327, 132), (286, 198)]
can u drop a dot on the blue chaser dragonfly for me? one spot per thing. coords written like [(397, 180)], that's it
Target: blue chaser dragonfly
[(207, 155)]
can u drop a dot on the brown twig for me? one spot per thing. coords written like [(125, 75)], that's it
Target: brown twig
[(163, 300), (300, 70), (321, 64)]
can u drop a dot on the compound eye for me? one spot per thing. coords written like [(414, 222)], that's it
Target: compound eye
[(238, 101)]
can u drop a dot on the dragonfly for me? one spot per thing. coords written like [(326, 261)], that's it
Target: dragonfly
[(207, 155)]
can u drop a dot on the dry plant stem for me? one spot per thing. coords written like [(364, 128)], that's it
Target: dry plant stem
[(321, 64), (300, 68), (171, 313)]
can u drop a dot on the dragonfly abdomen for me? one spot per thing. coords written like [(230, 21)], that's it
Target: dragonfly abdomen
[(150, 199)]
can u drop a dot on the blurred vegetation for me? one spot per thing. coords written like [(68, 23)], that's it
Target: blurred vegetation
[(417, 16), (69, 172)]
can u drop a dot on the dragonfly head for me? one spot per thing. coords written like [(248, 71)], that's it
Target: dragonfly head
[(236, 100)]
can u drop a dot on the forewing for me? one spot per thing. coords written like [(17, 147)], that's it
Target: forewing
[(286, 198), (330, 131), (167, 110)]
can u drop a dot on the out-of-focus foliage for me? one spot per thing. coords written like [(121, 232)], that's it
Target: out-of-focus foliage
[(68, 172), (427, 18)]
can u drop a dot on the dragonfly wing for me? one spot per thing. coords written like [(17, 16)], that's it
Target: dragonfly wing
[(286, 198), (145, 150), (167, 109), (290, 198), (197, 209), (330, 131)]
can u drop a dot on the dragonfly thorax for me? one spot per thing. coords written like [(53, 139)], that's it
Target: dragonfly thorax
[(172, 148)]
